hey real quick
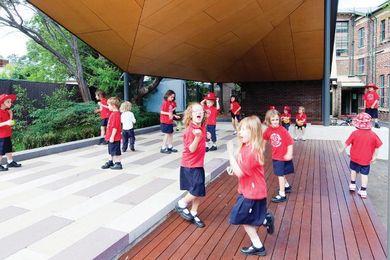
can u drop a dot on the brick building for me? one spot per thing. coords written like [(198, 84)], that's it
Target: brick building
[(362, 50)]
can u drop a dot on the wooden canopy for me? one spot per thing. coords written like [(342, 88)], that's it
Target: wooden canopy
[(205, 40)]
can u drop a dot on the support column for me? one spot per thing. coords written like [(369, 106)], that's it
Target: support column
[(126, 86), (327, 57)]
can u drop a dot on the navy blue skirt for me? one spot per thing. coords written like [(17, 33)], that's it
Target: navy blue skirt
[(193, 181), (248, 211), (282, 168), (5, 145)]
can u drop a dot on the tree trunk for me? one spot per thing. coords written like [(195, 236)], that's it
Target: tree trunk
[(83, 87), (142, 91)]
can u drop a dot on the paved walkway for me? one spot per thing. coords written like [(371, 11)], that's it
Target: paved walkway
[(63, 206)]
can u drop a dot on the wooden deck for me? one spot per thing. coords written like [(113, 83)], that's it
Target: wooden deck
[(320, 220)]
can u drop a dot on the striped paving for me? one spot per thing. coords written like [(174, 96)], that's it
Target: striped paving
[(63, 206)]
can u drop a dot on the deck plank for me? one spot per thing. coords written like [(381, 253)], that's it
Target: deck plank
[(321, 219)]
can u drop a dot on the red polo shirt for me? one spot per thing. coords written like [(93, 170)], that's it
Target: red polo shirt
[(234, 106), (363, 144), (105, 112), (252, 184), (5, 131), (167, 106), (195, 159), (114, 122), (370, 97), (285, 118), (279, 139), (301, 117), (212, 113)]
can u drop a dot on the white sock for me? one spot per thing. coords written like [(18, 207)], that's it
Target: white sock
[(182, 204), (170, 146), (257, 243), (194, 213), (9, 161), (163, 147), (214, 144), (286, 184), (265, 221), (283, 194)]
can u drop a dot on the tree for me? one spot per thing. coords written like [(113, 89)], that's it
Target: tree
[(139, 90), (48, 34)]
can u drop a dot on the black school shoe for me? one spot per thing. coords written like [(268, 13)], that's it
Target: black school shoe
[(253, 251), (270, 223), (213, 148), (116, 166), (286, 189), (187, 216), (13, 164), (198, 222), (279, 198), (165, 150), (3, 169), (172, 150), (107, 165)]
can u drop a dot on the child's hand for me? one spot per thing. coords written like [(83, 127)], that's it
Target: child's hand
[(197, 132), (176, 116), (111, 139), (170, 115), (373, 160), (217, 99), (288, 157), (10, 122), (99, 104)]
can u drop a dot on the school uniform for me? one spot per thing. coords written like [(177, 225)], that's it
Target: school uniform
[(233, 108), (301, 117), (166, 123), (128, 120), (104, 112), (114, 149), (5, 133), (192, 175), (279, 139), (286, 120), (251, 205), (212, 113), (370, 97)]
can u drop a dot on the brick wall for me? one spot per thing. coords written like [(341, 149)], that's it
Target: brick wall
[(258, 96)]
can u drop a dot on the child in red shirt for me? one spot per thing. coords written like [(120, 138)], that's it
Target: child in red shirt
[(250, 209), (300, 124), (166, 121), (192, 175), (235, 109), (286, 117), (114, 135), (212, 112), (282, 152), (6, 124), (371, 102), (104, 114), (364, 148)]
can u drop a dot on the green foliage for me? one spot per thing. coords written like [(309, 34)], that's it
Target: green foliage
[(144, 118)]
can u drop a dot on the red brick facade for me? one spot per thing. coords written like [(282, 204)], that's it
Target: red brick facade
[(257, 97)]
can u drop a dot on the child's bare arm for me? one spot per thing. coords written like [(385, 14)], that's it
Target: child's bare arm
[(232, 159), (114, 130), (289, 155), (374, 155), (217, 103), (194, 145)]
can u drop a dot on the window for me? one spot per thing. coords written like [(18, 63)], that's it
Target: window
[(341, 38), (361, 37), (361, 65), (382, 90), (383, 30)]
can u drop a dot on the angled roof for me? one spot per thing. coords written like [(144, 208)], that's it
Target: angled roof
[(205, 40)]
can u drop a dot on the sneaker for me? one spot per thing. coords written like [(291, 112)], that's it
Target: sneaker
[(213, 148), (116, 166), (3, 169), (165, 150), (286, 189), (279, 198), (352, 186), (254, 251), (13, 164), (363, 193), (303, 138), (107, 165), (198, 222), (270, 223), (132, 148), (172, 150), (123, 150), (296, 138), (235, 132), (184, 213), (207, 149)]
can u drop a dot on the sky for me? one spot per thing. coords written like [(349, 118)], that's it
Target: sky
[(14, 42)]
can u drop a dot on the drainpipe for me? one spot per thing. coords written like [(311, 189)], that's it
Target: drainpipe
[(327, 57), (352, 55), (374, 22), (126, 80)]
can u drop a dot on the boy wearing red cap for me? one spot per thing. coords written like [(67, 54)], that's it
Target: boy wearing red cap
[(6, 124), (364, 148), (371, 102), (286, 117), (211, 114)]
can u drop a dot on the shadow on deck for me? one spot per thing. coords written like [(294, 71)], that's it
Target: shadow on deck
[(320, 220)]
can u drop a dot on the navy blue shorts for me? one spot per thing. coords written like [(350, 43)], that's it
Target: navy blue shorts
[(373, 112), (193, 180), (166, 128), (114, 149), (300, 126), (282, 168), (104, 122), (287, 126), (362, 169), (235, 116), (5, 145), (211, 129), (248, 211)]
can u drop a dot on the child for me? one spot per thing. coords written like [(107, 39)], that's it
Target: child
[(250, 209), (128, 121), (166, 121), (364, 148), (371, 102), (192, 176), (114, 135), (6, 124), (104, 114), (212, 112), (282, 152), (235, 112), (286, 117), (300, 124)]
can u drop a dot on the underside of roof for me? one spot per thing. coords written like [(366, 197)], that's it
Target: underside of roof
[(205, 40)]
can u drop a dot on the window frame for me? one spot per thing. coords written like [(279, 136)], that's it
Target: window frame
[(382, 30), (361, 66), (361, 33)]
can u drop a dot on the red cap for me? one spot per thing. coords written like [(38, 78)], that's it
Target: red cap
[(371, 85), (210, 96)]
